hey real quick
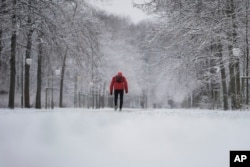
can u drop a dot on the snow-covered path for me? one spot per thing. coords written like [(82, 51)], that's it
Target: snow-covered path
[(133, 138)]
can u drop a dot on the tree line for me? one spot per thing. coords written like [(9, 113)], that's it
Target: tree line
[(47, 33), (206, 45), (196, 51)]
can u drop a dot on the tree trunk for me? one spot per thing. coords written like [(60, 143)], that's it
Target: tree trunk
[(232, 89), (223, 76), (39, 76), (13, 59), (238, 93), (27, 66), (233, 64), (237, 61), (62, 79), (247, 50), (27, 71)]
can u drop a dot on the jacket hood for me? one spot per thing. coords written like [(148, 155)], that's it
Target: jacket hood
[(119, 73)]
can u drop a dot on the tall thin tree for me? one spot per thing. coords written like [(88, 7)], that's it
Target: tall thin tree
[(62, 78), (27, 56), (39, 71), (13, 57), (247, 48)]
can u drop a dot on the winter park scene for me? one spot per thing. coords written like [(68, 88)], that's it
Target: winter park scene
[(124, 83)]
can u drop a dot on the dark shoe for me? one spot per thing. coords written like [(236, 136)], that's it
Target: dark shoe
[(115, 107), (120, 109)]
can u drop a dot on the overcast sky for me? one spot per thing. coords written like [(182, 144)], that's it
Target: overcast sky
[(122, 8)]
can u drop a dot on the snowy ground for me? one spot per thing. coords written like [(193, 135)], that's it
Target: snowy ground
[(133, 138)]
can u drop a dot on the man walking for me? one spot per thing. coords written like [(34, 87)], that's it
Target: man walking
[(118, 84)]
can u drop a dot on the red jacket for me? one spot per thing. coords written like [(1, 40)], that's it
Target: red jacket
[(119, 85)]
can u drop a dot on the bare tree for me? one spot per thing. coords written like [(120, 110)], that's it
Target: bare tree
[(27, 56), (39, 70), (13, 57)]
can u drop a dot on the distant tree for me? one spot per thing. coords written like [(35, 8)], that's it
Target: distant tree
[(247, 47), (30, 31), (39, 70), (13, 56)]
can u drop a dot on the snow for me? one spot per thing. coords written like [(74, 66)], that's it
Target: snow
[(132, 138)]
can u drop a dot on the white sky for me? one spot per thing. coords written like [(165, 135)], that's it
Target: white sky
[(122, 8)]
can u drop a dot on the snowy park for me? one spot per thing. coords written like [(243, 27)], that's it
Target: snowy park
[(77, 137), (180, 69)]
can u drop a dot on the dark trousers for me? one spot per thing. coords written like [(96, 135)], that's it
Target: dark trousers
[(120, 93)]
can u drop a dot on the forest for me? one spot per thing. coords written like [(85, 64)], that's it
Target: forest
[(63, 53)]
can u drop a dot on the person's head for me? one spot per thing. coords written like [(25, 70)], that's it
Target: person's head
[(119, 73)]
